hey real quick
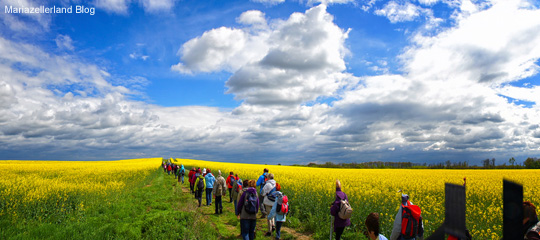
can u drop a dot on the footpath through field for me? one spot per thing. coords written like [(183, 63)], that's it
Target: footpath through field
[(226, 224)]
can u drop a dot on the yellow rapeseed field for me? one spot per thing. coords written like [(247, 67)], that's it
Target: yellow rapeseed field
[(376, 190), (39, 189), (42, 188)]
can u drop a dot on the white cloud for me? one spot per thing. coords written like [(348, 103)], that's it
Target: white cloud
[(252, 17), (25, 22), (64, 42), (113, 6), (218, 49), (269, 2), (154, 6), (296, 60), (396, 12), (428, 2)]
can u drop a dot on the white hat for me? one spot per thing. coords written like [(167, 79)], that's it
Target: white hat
[(204, 171)]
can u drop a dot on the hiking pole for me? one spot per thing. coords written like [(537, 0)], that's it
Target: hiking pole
[(331, 226)]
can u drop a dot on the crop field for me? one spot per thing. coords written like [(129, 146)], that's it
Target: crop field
[(55, 192)]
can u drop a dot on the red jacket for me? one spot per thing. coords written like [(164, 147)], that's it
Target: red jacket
[(229, 183), (191, 172)]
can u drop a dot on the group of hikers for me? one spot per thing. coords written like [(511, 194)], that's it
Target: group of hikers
[(273, 205)]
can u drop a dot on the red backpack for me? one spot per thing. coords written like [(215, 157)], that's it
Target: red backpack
[(411, 220)]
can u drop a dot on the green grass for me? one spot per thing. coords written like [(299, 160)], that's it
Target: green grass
[(153, 208)]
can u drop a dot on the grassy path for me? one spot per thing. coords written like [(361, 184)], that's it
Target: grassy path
[(157, 207), (226, 225)]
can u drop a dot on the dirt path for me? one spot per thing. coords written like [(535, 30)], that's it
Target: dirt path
[(229, 221)]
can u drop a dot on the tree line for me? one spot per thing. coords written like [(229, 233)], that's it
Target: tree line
[(530, 163)]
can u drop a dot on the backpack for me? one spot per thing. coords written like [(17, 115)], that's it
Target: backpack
[(272, 195), (250, 204), (411, 221), (238, 186), (282, 205), (345, 209), (200, 185), (182, 172), (232, 180)]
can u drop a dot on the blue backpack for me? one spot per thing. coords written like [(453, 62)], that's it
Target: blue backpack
[(250, 204), (272, 195)]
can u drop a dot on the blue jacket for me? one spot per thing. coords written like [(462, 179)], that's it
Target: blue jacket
[(210, 179), (273, 213), (261, 181)]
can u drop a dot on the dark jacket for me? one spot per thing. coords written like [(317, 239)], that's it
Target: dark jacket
[(240, 207), (334, 210), (531, 230)]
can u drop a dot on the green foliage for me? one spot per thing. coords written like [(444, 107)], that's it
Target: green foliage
[(148, 209)]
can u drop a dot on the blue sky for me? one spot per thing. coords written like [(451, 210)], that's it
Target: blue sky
[(271, 81)]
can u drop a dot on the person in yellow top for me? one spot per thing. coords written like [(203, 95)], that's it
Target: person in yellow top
[(200, 186)]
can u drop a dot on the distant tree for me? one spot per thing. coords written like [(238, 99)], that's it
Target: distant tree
[(485, 163), (532, 163), (512, 160), (448, 164), (493, 162)]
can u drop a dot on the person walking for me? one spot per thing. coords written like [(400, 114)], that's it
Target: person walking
[(169, 168), (246, 211), (210, 179), (190, 179), (230, 183), (531, 225), (269, 199), (235, 191), (181, 174), (261, 181), (396, 230), (373, 227), (279, 211), (200, 184), (339, 223), (194, 178), (220, 190)]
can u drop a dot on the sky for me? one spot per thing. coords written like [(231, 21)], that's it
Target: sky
[(271, 81)]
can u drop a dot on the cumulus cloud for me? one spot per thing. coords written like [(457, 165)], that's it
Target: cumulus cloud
[(290, 62), (299, 103)]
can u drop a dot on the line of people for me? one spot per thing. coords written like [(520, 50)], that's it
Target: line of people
[(246, 199), (274, 206)]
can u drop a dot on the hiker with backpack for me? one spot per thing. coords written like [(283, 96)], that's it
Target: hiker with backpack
[(230, 183), (236, 191), (341, 211), (220, 190), (246, 211), (200, 184), (210, 179), (268, 192), (261, 181), (181, 174), (194, 178), (531, 225), (373, 227), (279, 211), (190, 179), (408, 222)]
